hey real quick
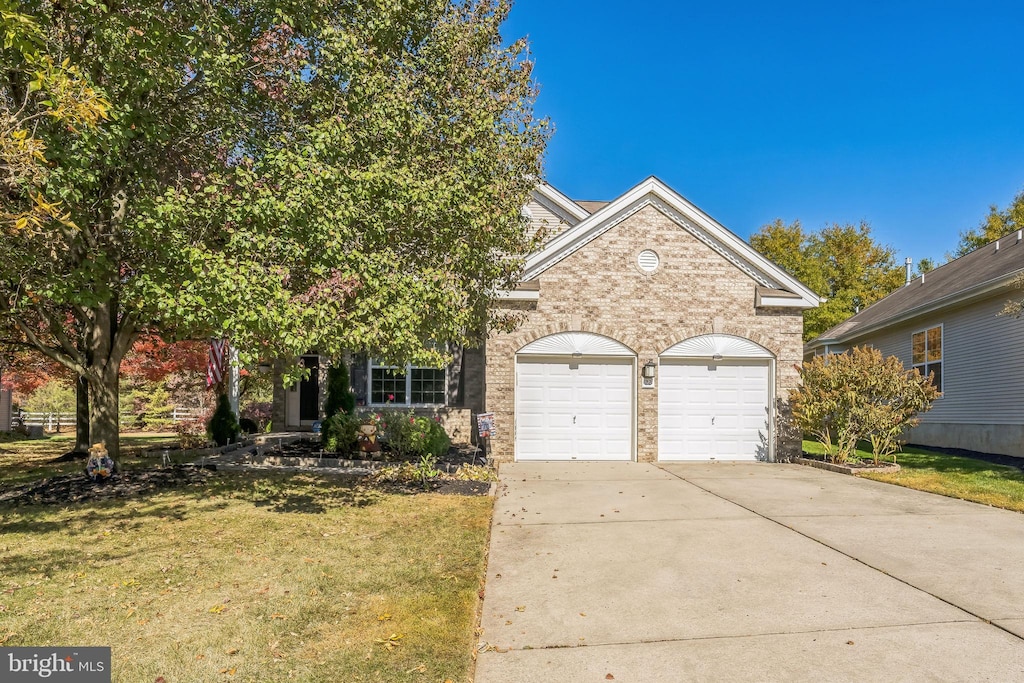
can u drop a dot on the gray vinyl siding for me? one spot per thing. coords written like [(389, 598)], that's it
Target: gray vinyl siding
[(982, 362)]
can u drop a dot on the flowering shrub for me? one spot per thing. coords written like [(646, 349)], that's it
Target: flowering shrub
[(410, 435)]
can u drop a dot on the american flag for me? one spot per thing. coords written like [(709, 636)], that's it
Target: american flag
[(218, 361)]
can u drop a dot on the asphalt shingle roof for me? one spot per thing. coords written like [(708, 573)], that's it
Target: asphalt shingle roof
[(592, 207), (983, 266)]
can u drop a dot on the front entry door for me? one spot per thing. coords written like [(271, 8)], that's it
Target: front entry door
[(309, 391)]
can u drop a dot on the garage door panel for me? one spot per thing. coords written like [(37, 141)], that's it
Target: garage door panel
[(713, 411), (574, 409)]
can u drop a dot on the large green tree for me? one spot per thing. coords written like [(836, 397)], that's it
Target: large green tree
[(339, 175), (842, 263), (998, 223)]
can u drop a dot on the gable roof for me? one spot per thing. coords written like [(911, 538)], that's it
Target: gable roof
[(981, 272), (653, 192), (559, 204)]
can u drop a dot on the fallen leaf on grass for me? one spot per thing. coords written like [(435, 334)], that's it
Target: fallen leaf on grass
[(609, 677), (383, 617), (421, 669), (229, 672), (231, 651), (217, 609), (521, 608), (275, 615), (391, 642)]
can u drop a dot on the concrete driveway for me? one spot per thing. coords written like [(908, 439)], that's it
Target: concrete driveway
[(760, 572)]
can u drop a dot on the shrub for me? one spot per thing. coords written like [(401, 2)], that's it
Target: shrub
[(410, 435), (859, 395), (339, 432), (259, 412), (191, 433), (223, 426), (340, 398)]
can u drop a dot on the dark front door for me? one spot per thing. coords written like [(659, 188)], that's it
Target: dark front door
[(309, 390)]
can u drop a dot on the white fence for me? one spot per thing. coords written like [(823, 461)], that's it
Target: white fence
[(53, 421)]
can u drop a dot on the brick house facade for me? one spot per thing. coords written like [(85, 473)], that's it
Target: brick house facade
[(707, 284), (647, 283)]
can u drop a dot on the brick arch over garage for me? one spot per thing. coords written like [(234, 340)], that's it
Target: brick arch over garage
[(524, 339), (771, 345)]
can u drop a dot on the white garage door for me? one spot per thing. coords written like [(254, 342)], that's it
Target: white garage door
[(574, 408), (713, 410)]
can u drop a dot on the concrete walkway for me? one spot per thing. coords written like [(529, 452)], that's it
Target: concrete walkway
[(759, 572)]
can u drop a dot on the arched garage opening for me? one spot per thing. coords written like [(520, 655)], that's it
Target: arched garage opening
[(575, 398), (715, 396)]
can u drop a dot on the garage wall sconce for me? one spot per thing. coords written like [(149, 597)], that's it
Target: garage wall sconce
[(647, 374)]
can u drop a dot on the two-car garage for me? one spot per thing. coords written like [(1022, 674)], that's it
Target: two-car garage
[(577, 395)]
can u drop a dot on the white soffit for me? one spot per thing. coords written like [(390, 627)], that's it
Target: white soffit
[(709, 345), (575, 344)]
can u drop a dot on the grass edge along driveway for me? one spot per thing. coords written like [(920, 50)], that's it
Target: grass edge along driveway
[(949, 475)]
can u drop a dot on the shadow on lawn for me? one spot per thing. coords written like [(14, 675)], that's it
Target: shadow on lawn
[(294, 493)]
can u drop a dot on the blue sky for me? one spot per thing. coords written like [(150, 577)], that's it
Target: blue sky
[(908, 115)]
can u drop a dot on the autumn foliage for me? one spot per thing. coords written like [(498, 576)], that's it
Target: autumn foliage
[(859, 395)]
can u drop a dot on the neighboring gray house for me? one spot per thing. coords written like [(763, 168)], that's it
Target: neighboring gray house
[(651, 332), (947, 322)]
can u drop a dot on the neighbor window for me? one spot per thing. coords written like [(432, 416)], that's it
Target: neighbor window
[(927, 353), (408, 385)]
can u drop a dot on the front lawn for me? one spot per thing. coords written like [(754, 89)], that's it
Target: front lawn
[(950, 475), (252, 577), (23, 460)]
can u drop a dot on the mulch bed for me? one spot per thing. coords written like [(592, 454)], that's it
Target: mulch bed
[(462, 454), (129, 483), (75, 488)]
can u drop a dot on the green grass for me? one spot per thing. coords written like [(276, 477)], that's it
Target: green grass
[(252, 578), (24, 460), (949, 475)]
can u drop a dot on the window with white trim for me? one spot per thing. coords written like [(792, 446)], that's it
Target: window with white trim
[(927, 353), (410, 385)]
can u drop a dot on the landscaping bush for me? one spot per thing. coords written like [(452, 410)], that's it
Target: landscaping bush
[(259, 412), (859, 395), (410, 435), (223, 426), (340, 398), (339, 433), (191, 433)]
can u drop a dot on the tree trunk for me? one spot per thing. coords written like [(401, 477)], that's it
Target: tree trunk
[(104, 421), (107, 342), (82, 442)]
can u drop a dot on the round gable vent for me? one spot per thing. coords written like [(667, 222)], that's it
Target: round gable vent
[(648, 261)]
